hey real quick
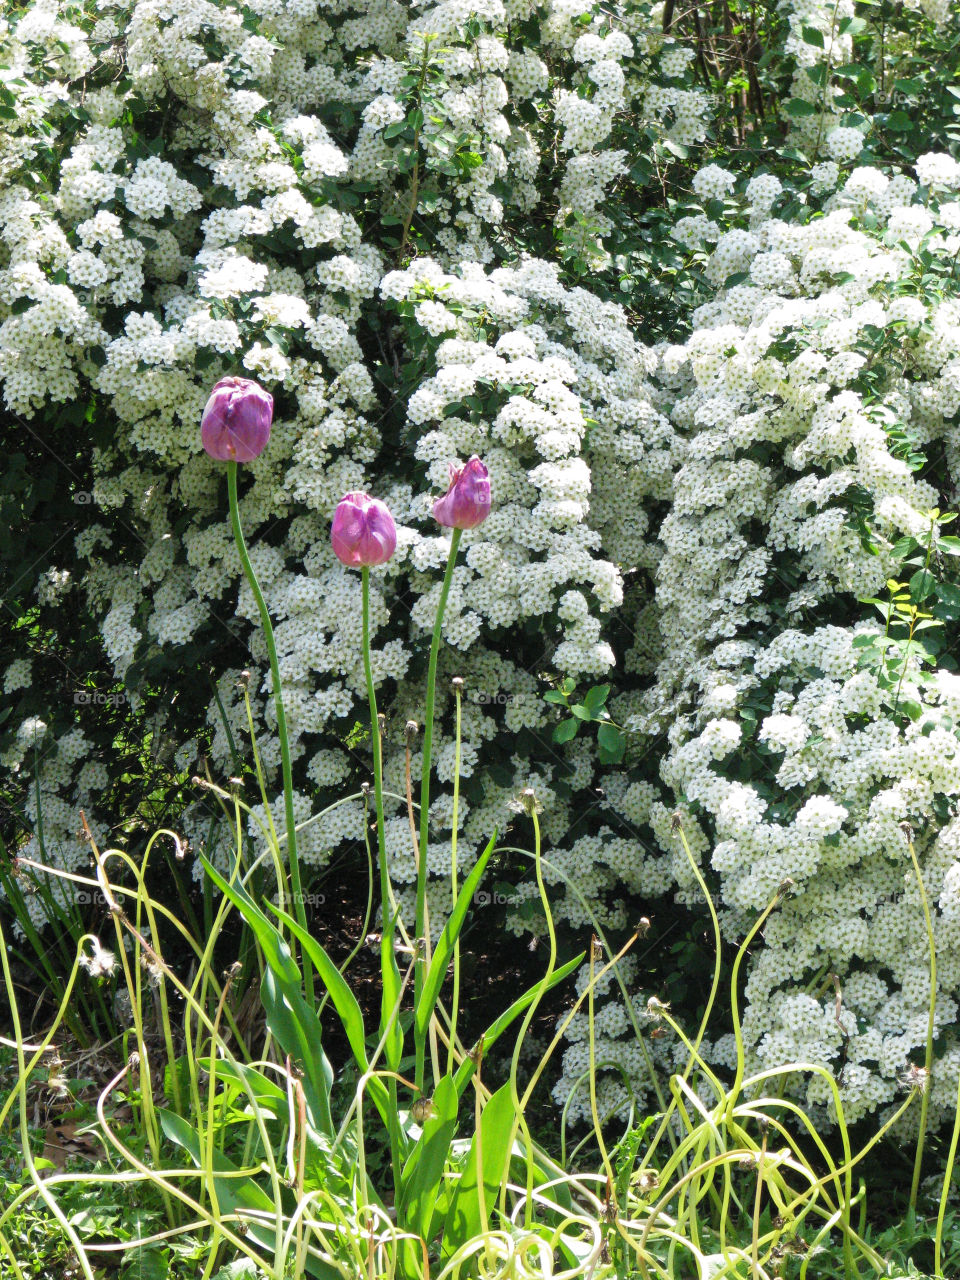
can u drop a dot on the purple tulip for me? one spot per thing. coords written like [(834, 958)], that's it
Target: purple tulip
[(235, 426), (363, 531), (467, 502)]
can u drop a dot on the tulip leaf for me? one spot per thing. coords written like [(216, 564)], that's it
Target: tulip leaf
[(487, 1161), (344, 1001), (275, 949), (423, 1171)]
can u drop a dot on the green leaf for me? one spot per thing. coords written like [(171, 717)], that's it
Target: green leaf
[(813, 35), (565, 730), (921, 585), (899, 121), (488, 1160), (423, 1171), (343, 1000), (612, 744), (296, 1030), (232, 1193), (292, 1021), (595, 698), (797, 107), (275, 949), (451, 931), (145, 1263), (237, 1194), (390, 996), (255, 1084), (949, 545)]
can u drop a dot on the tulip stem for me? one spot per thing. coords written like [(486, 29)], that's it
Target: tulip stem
[(425, 791), (286, 767), (388, 959)]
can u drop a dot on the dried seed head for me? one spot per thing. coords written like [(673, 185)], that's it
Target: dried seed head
[(676, 821), (421, 1109), (410, 731), (643, 927), (916, 1078), (151, 968), (645, 1181), (243, 679), (526, 802), (456, 684)]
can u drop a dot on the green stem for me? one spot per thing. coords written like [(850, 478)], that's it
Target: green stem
[(945, 1190), (286, 767), (928, 1056), (425, 791), (454, 884), (387, 956)]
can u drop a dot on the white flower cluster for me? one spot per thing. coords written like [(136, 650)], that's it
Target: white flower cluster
[(789, 757), (143, 276), (273, 231)]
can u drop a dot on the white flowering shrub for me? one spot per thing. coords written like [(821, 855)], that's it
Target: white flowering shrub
[(806, 599), (717, 399), (326, 199)]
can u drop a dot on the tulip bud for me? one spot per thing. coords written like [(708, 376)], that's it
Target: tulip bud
[(467, 502), (363, 531), (235, 426)]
